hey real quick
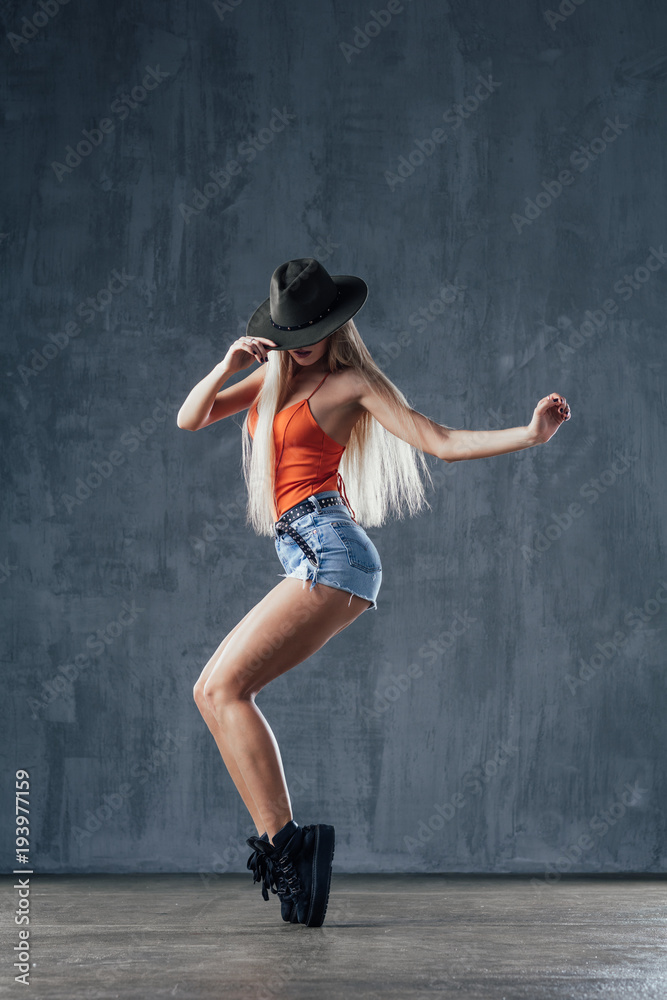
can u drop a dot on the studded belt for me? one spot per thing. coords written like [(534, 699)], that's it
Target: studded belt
[(282, 526)]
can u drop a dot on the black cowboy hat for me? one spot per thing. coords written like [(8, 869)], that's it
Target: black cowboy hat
[(306, 304)]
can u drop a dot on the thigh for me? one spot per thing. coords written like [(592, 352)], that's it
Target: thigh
[(287, 626), (205, 674)]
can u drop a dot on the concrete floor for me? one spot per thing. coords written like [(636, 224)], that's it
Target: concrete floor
[(385, 936)]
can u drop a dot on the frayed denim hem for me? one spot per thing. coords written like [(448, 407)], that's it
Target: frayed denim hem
[(303, 573), (307, 572)]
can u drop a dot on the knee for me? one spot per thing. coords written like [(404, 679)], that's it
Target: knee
[(218, 696), (198, 695)]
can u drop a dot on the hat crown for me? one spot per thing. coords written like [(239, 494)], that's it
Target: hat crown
[(306, 304), (301, 291)]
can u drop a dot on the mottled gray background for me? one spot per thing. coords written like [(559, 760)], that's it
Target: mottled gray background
[(392, 731)]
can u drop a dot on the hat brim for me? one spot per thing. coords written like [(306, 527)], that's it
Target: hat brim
[(353, 294)]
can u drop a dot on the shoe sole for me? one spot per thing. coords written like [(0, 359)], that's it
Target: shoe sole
[(321, 874)]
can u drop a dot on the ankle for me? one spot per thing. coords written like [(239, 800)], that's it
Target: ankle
[(275, 828)]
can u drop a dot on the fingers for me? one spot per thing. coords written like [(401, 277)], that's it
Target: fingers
[(257, 349), (560, 402)]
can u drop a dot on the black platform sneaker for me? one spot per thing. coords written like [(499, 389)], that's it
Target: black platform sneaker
[(304, 855), (261, 863)]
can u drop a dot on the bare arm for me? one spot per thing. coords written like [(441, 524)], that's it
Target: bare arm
[(428, 435), (463, 444), (208, 402), (452, 445), (548, 415)]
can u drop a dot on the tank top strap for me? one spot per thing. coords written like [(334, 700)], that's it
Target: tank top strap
[(318, 385)]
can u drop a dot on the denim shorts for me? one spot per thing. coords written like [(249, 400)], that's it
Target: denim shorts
[(346, 557)]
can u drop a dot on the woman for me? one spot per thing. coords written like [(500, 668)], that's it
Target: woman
[(320, 409)]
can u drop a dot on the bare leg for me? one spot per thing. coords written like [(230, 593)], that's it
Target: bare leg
[(247, 732), (285, 628), (222, 742), (218, 735)]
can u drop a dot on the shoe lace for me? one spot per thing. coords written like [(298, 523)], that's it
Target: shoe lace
[(292, 880), (265, 869)]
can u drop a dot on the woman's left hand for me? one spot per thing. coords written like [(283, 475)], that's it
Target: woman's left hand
[(548, 415)]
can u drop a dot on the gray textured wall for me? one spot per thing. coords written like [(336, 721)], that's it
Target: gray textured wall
[(503, 709)]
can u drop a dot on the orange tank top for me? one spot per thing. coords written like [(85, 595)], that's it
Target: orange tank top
[(307, 459)]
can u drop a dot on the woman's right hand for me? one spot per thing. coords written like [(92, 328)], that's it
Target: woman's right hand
[(241, 353)]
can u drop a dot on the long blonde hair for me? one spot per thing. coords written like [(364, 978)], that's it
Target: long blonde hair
[(380, 470)]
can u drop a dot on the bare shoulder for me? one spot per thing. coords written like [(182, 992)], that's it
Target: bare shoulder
[(349, 386), (418, 430)]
